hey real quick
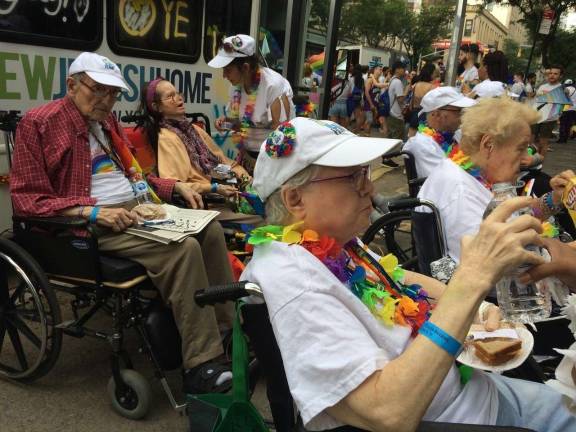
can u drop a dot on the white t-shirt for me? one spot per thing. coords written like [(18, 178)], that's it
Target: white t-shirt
[(468, 76), (460, 199), (330, 342), (427, 153), (272, 86), (109, 184), (395, 91), (346, 91), (546, 109)]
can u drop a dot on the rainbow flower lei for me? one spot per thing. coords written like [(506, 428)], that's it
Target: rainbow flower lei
[(239, 138), (376, 283), (453, 152)]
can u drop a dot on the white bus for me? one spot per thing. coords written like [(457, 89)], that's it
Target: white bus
[(146, 38)]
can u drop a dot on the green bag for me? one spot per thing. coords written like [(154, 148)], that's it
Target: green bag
[(215, 412)]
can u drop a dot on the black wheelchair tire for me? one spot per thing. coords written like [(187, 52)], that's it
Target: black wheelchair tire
[(48, 310), (139, 388), (388, 225)]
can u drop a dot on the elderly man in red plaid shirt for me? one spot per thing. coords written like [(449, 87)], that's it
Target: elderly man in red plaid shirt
[(67, 161)]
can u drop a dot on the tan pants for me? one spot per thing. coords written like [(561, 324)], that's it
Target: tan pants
[(178, 270)]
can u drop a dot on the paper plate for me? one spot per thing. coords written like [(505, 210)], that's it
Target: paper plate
[(468, 357)]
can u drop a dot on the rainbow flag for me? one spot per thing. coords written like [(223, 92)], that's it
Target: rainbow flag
[(552, 104), (317, 63)]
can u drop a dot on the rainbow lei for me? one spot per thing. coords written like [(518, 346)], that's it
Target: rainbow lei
[(304, 110), (453, 152), (376, 283), (239, 138)]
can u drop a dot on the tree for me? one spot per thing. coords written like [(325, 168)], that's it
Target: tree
[(319, 14), (517, 58), (532, 11), (421, 30), (374, 23), (562, 52)]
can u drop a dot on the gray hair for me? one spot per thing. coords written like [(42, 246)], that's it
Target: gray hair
[(276, 212)]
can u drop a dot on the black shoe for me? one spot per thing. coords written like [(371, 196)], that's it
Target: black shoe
[(204, 379), (389, 163)]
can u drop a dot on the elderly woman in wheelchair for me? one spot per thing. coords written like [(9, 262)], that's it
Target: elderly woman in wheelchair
[(364, 343), (185, 152), (72, 159)]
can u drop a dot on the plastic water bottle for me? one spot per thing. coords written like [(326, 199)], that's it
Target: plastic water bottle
[(519, 302)]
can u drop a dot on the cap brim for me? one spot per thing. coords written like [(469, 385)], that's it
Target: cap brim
[(220, 61), (357, 151), (463, 102), (107, 79)]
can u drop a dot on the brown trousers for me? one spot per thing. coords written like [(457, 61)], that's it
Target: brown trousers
[(178, 270)]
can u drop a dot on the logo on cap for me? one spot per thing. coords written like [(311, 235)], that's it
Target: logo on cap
[(334, 127), (108, 64), (237, 42)]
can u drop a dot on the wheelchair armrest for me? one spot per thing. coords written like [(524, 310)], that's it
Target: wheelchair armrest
[(402, 204), (225, 293), (391, 155), (417, 181), (53, 222)]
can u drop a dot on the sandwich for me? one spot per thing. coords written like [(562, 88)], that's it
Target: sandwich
[(497, 350)]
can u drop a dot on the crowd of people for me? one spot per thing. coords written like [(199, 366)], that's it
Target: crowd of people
[(353, 332)]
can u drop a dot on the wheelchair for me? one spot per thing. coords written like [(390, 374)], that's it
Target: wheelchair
[(258, 329), (46, 256), (391, 229)]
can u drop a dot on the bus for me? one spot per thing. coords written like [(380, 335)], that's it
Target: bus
[(146, 38)]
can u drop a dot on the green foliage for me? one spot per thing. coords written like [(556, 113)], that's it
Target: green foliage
[(319, 14), (516, 63), (422, 29), (562, 52), (532, 11), (374, 22)]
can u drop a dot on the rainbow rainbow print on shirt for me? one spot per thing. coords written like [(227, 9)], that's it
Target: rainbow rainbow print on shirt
[(102, 164)]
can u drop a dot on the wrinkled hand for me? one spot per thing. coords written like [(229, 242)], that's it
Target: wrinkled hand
[(562, 265), (116, 218), (499, 245), (558, 183), (227, 190), (191, 193)]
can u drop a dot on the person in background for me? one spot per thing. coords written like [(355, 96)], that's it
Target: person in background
[(422, 84), (371, 92), (543, 131), (72, 158), (441, 109), (396, 93), (355, 106), (260, 99), (518, 87), (469, 76), (496, 66), (530, 88), (568, 117)]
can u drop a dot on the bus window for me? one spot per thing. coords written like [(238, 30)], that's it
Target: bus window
[(61, 24), (224, 18), (155, 29), (272, 32)]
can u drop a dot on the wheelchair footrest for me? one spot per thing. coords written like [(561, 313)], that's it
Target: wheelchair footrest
[(71, 328)]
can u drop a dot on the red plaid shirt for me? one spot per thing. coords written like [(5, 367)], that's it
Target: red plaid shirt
[(52, 165)]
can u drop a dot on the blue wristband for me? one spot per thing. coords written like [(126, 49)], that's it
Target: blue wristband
[(214, 188), (93, 214), (441, 338)]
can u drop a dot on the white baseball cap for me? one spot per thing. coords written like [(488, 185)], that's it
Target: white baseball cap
[(99, 68), (489, 89), (240, 45), (444, 96), (302, 141)]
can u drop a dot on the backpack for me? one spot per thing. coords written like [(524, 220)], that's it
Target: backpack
[(407, 105)]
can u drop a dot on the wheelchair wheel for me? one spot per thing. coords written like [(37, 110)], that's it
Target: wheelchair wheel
[(29, 311), (134, 401), (392, 233)]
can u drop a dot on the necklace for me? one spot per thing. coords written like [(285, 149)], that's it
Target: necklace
[(453, 152), (377, 283), (239, 138)]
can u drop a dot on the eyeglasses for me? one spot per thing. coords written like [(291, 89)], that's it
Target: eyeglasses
[(102, 91), (359, 178), (173, 97)]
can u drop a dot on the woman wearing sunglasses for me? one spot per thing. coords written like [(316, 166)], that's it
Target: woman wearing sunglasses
[(260, 99)]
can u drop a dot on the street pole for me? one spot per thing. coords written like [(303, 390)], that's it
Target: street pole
[(533, 47), (452, 66), (330, 55)]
